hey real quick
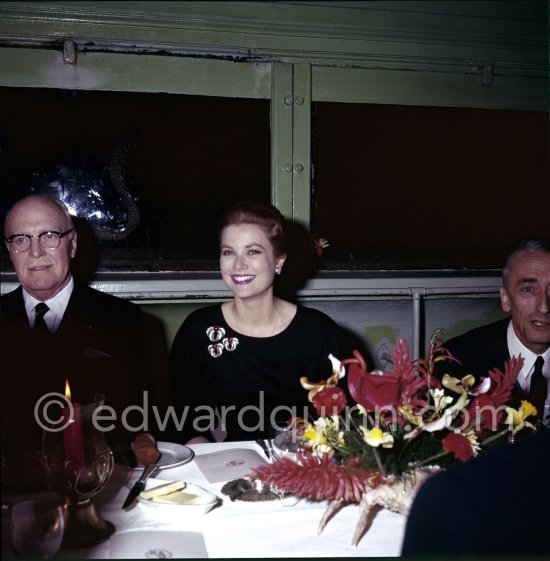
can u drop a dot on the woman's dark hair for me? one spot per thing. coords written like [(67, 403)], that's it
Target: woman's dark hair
[(266, 216)]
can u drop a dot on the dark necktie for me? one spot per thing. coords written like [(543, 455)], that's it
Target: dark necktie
[(538, 389), (40, 311)]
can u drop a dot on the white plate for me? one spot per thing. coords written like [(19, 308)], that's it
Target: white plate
[(205, 500), (172, 455)]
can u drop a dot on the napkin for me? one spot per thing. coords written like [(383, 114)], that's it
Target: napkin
[(160, 544), (228, 464)]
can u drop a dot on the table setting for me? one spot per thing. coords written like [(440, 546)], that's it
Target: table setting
[(339, 485), (208, 506)]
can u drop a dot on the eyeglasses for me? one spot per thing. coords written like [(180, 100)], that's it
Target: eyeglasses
[(49, 240)]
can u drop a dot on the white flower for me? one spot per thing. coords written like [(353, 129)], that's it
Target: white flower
[(338, 371), (448, 415), (441, 400), (482, 387)]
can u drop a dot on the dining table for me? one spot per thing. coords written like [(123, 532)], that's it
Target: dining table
[(278, 527)]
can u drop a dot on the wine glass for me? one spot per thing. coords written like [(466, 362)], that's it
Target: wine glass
[(286, 441), (37, 527)]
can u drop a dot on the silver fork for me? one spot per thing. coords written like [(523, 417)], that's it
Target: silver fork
[(268, 451)]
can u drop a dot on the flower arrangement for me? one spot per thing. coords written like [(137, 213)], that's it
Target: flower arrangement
[(404, 425)]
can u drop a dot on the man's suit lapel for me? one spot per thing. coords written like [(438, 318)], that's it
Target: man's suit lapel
[(77, 315), (13, 310), (499, 344), (76, 332), (517, 393)]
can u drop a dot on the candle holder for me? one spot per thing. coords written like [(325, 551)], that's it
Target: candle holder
[(79, 463)]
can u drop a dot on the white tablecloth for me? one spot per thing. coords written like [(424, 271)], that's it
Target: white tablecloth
[(286, 528)]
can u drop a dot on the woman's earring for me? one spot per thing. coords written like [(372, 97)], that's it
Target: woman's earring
[(278, 269)]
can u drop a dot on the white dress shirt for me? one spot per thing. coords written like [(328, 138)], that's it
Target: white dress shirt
[(517, 348), (57, 306)]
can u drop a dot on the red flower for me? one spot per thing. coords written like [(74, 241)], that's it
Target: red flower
[(373, 391), (410, 376), (501, 388), (318, 479), (329, 401), (459, 445), (385, 390), (483, 414), (487, 412)]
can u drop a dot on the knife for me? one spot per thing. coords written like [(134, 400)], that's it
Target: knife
[(139, 485), (147, 454)]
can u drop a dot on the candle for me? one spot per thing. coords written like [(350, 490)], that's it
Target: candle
[(72, 435)]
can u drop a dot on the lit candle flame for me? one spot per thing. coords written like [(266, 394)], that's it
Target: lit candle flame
[(67, 389)]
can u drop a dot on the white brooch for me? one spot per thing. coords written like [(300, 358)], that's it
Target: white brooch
[(230, 343), (215, 350), (215, 334)]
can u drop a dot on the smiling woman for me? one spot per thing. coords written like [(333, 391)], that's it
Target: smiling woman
[(252, 253), (245, 357)]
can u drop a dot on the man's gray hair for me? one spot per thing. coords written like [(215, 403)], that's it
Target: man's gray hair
[(524, 246)]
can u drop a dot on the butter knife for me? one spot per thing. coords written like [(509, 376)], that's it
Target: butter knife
[(139, 485), (147, 453)]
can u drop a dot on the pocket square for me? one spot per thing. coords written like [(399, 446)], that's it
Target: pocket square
[(89, 353)]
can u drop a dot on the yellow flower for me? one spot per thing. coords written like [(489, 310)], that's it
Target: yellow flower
[(516, 417), (375, 437), (456, 385), (407, 412), (312, 435), (321, 436), (471, 436)]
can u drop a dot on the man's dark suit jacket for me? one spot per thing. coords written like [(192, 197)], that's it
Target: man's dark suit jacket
[(479, 350), (103, 345), (496, 504)]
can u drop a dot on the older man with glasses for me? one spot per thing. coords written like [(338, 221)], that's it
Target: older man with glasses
[(54, 329)]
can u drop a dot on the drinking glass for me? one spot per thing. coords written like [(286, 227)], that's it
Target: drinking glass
[(37, 527), (286, 442)]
